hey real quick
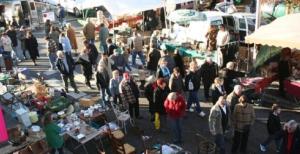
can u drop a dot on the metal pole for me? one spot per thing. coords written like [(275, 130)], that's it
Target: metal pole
[(257, 24)]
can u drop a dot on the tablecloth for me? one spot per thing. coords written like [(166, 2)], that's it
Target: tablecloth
[(292, 88)]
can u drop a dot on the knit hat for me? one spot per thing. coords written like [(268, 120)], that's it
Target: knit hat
[(160, 81)]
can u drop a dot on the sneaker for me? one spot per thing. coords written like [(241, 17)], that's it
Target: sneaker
[(202, 114), (191, 110), (262, 148)]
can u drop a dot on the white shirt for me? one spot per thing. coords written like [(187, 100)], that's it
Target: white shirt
[(223, 38), (6, 42), (223, 108)]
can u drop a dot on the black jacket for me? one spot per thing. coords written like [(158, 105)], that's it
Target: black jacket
[(86, 67), (93, 55), (208, 73), (195, 79), (134, 88), (111, 49), (13, 37), (215, 93), (154, 57), (31, 45), (102, 79), (295, 145), (61, 67), (228, 76), (179, 63), (159, 98), (149, 90), (273, 124), (283, 69)]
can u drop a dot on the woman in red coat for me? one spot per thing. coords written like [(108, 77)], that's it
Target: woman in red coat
[(175, 108)]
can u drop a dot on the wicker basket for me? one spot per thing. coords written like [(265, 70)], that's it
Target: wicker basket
[(207, 147)]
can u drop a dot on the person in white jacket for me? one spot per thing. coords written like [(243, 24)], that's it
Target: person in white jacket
[(223, 39), (7, 46)]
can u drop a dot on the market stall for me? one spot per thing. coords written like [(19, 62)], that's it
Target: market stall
[(282, 33)]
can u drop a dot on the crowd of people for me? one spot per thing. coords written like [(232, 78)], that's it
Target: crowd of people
[(171, 90)]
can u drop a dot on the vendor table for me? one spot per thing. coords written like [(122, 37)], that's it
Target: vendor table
[(96, 115), (293, 88), (87, 131), (29, 140)]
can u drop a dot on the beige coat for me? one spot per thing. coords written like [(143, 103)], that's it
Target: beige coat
[(243, 117), (215, 119), (72, 37), (89, 31)]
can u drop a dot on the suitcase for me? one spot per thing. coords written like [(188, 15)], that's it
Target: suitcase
[(8, 64)]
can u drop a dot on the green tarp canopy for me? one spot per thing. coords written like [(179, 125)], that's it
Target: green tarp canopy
[(266, 54)]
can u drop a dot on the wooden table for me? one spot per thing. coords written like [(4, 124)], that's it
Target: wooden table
[(89, 132), (97, 116)]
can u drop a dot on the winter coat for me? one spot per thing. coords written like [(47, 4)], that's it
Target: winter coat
[(229, 76), (89, 31), (107, 66), (159, 98), (127, 93), (216, 93), (175, 109), (13, 37), (72, 37), (295, 143), (102, 79), (31, 45), (119, 61), (171, 62), (61, 67), (208, 73), (179, 63), (114, 86), (232, 100), (154, 57), (273, 124), (194, 77), (149, 91), (176, 84), (86, 66), (215, 119), (93, 54), (243, 117)]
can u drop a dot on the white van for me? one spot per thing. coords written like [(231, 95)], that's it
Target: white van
[(238, 24), (28, 8)]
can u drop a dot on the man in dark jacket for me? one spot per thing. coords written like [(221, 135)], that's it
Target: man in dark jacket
[(159, 97), (192, 84), (290, 138), (11, 32), (208, 72), (229, 75), (273, 126), (153, 58), (65, 65), (284, 69), (93, 54)]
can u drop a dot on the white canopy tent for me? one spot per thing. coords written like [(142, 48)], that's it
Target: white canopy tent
[(283, 32)]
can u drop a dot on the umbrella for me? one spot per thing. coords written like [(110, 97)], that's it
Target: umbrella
[(185, 16), (266, 54), (283, 32)]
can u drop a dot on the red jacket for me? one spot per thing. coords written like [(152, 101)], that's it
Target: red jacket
[(175, 109)]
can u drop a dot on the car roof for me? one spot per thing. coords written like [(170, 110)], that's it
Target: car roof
[(214, 13), (242, 14)]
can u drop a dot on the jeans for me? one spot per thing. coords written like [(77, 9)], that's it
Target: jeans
[(240, 141), (18, 53), (220, 142), (140, 54), (103, 48), (72, 82), (175, 125), (116, 98), (206, 90), (52, 60), (193, 98), (60, 150), (127, 66), (270, 138)]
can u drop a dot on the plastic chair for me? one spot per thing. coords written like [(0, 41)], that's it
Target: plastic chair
[(122, 117)]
